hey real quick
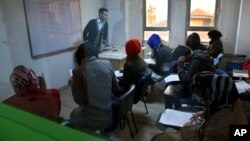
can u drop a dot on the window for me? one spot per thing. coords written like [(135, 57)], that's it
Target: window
[(156, 18), (201, 17)]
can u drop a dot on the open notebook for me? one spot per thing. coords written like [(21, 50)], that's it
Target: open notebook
[(174, 117)]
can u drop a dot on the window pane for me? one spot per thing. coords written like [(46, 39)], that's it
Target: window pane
[(156, 13), (163, 34), (202, 13), (203, 35)]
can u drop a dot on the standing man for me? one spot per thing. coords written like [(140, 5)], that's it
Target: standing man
[(96, 31)]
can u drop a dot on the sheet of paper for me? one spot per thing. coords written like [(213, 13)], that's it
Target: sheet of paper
[(156, 77), (175, 118), (118, 73), (149, 61), (172, 78), (242, 86), (70, 73)]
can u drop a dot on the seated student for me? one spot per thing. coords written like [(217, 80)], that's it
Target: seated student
[(135, 65), (161, 54), (197, 61), (215, 44), (187, 67), (93, 84), (194, 42), (219, 96), (29, 97)]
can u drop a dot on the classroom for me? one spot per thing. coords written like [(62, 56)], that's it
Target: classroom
[(44, 35)]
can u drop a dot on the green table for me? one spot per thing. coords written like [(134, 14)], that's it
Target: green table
[(16, 124)]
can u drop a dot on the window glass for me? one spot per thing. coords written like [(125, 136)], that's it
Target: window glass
[(156, 13), (156, 18), (202, 13), (163, 34)]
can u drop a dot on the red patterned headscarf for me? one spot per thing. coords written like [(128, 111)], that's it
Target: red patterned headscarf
[(133, 48), (22, 77)]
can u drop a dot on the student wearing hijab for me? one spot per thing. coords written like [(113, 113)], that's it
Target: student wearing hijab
[(162, 55), (135, 65), (93, 84), (30, 97), (222, 108), (194, 42), (215, 44)]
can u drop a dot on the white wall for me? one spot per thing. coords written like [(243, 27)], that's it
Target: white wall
[(177, 22), (117, 32), (243, 43), (89, 10), (6, 62), (228, 22), (134, 19), (15, 49), (125, 21)]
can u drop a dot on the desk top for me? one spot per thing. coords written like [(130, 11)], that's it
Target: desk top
[(20, 125), (115, 53)]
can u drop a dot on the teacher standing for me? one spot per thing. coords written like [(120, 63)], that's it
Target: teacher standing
[(96, 31)]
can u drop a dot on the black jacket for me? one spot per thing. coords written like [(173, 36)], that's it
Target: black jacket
[(92, 34), (162, 56), (200, 61)]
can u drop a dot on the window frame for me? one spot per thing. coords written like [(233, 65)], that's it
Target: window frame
[(145, 28)]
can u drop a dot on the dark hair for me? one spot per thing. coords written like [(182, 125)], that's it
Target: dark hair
[(214, 34), (193, 40), (180, 51), (79, 54), (102, 10)]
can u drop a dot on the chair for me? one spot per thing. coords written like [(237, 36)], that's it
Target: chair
[(121, 107), (141, 89), (218, 60), (220, 72)]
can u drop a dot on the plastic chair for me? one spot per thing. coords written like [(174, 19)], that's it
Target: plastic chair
[(218, 60), (121, 107), (220, 72), (141, 89)]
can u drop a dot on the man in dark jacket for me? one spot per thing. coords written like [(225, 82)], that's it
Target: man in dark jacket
[(189, 65), (96, 31)]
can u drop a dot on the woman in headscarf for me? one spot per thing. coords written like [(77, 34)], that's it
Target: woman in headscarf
[(222, 108), (194, 42), (161, 54), (215, 44), (30, 97), (135, 65)]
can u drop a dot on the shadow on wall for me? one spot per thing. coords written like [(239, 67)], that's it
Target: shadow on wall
[(119, 31)]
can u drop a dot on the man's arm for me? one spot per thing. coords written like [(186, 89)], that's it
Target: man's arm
[(86, 31), (105, 36)]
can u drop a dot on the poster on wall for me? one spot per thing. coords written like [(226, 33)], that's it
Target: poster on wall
[(54, 26)]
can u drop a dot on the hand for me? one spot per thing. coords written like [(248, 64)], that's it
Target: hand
[(181, 60), (198, 117)]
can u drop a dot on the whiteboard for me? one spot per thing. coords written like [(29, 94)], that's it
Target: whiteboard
[(54, 26)]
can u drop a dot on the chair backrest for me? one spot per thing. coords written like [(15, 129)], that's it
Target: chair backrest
[(124, 103), (218, 59), (220, 72), (142, 85)]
